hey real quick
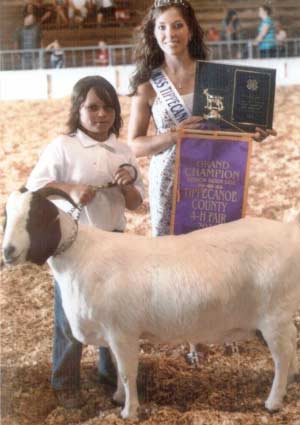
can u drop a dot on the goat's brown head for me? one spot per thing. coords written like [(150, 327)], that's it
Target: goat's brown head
[(32, 229)]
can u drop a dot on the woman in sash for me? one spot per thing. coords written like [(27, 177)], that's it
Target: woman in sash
[(170, 42)]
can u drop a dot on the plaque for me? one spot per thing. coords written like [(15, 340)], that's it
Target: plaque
[(236, 98), (211, 179)]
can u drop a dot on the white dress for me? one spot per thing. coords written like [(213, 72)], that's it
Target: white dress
[(161, 172)]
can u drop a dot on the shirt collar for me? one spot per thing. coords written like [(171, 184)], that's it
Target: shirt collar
[(87, 141)]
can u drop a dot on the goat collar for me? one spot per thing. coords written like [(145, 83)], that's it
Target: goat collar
[(69, 240)]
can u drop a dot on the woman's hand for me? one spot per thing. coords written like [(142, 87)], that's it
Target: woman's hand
[(261, 134), (190, 123)]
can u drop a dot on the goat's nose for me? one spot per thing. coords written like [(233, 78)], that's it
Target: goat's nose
[(8, 251)]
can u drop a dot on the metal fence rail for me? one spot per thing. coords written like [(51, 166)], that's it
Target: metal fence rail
[(122, 54)]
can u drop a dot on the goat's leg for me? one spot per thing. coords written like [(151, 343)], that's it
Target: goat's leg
[(294, 365), (279, 338), (119, 395), (126, 353)]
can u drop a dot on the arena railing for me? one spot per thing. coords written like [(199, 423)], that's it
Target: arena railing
[(122, 54)]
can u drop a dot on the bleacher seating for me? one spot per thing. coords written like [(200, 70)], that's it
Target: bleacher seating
[(210, 14), (88, 36), (113, 32)]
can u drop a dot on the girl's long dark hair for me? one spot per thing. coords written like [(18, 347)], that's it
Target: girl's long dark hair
[(147, 53), (104, 90)]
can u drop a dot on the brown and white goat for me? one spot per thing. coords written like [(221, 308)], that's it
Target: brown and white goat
[(215, 285)]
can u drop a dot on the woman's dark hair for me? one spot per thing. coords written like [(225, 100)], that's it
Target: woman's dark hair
[(230, 14), (148, 55), (104, 90), (267, 9)]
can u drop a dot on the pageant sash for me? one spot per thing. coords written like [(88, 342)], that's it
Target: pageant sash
[(211, 179), (167, 92)]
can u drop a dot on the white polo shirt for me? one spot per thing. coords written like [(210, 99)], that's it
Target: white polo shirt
[(81, 159)]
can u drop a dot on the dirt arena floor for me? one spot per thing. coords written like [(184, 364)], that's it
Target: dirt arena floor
[(226, 389)]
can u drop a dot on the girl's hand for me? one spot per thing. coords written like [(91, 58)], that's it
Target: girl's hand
[(82, 193), (123, 177), (261, 134)]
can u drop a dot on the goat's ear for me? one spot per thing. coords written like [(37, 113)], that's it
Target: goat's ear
[(48, 191)]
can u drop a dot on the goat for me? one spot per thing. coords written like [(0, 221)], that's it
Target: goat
[(215, 285)]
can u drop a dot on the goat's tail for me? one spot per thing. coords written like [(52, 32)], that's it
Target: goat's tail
[(291, 215)]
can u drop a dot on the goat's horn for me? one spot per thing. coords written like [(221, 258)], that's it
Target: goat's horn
[(47, 191)]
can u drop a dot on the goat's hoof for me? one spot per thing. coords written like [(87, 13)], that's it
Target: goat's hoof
[(125, 414), (273, 406), (119, 398)]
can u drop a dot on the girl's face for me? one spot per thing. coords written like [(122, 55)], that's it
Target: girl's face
[(171, 32), (96, 117)]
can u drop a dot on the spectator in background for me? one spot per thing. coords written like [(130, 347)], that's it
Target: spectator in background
[(105, 10), (230, 32), (77, 11), (44, 11), (212, 34), (28, 37), (122, 12), (61, 10), (56, 54), (266, 40), (231, 26), (103, 55), (30, 8), (281, 36)]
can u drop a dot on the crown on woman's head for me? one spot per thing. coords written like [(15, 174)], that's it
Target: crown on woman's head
[(160, 3)]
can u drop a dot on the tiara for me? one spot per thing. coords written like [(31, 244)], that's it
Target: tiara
[(160, 3)]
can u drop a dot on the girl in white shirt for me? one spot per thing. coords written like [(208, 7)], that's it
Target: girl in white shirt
[(89, 155)]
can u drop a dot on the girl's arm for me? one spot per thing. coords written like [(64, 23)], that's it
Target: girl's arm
[(133, 198), (80, 193)]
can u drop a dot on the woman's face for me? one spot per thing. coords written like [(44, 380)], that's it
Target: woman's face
[(171, 32), (96, 117), (262, 13)]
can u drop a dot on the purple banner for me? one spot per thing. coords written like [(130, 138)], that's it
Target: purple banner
[(211, 182)]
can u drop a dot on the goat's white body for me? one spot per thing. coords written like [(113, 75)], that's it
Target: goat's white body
[(214, 285)]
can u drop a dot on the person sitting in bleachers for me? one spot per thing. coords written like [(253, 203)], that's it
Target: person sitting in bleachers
[(122, 12), (61, 9), (42, 10), (45, 11), (105, 10), (77, 11)]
